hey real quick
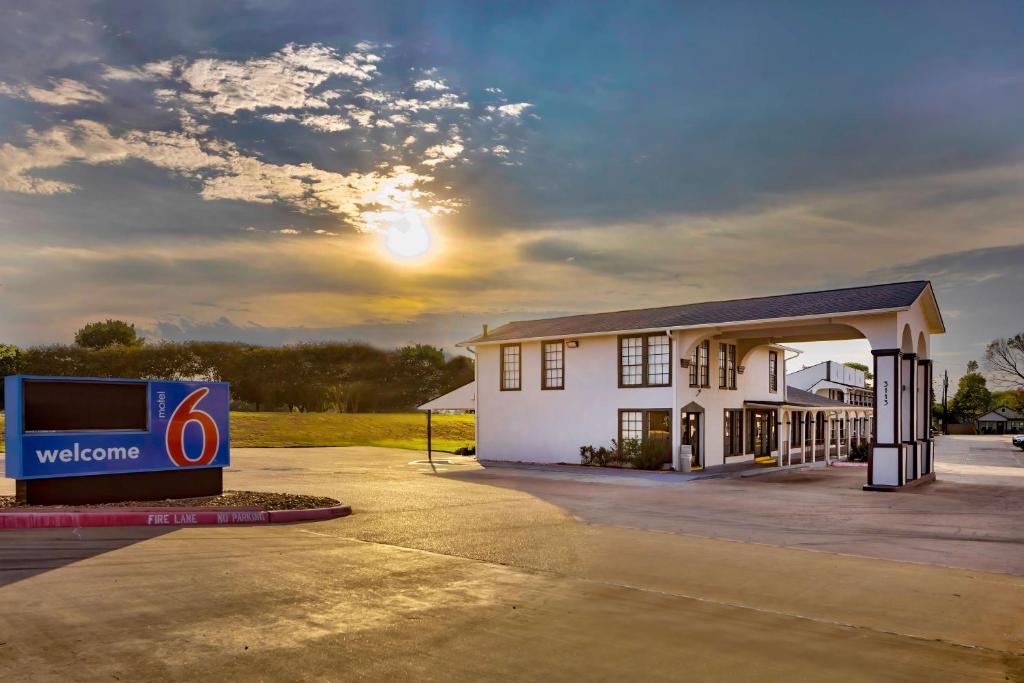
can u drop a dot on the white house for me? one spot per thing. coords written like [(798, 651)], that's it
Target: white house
[(1002, 420), (834, 380), (710, 376)]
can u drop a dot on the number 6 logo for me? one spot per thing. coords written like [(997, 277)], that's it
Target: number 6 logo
[(186, 412)]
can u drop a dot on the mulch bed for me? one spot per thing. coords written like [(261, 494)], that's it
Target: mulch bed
[(233, 499)]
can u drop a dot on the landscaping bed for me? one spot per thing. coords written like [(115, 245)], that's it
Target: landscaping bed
[(229, 499)]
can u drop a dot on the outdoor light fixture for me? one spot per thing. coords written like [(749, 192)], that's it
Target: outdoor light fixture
[(684, 362), (572, 344), (740, 369)]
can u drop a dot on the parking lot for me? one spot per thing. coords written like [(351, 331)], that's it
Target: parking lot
[(459, 571)]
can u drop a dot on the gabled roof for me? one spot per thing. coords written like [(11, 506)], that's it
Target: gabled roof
[(1002, 413), (885, 297)]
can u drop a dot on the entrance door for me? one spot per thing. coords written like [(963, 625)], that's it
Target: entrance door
[(691, 436), (762, 432)]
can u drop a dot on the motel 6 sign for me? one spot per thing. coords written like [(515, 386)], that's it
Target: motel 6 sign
[(67, 427)]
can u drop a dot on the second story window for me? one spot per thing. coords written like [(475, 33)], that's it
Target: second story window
[(553, 365), (703, 359), (700, 373), (726, 366), (511, 367), (645, 361), (773, 371)]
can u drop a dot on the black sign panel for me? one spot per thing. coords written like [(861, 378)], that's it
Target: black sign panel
[(62, 406)]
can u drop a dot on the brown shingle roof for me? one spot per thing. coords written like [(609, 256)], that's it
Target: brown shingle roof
[(799, 397), (826, 302)]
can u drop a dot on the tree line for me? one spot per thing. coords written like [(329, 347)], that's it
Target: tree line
[(306, 377)]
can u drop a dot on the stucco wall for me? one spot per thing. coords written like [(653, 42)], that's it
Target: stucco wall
[(534, 425)]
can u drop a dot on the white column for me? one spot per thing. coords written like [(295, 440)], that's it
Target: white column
[(676, 420), (849, 435), (886, 462), (813, 417)]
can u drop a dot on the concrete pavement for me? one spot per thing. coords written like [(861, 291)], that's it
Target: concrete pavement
[(476, 574)]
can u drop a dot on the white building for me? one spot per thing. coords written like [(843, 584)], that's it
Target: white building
[(833, 380), (711, 376)]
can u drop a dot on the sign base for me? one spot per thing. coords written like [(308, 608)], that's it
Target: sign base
[(116, 488)]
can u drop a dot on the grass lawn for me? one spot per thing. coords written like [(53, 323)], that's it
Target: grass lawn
[(391, 430)]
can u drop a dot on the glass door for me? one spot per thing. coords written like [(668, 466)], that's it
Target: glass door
[(691, 436)]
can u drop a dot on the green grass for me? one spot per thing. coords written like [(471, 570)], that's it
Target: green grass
[(390, 430)]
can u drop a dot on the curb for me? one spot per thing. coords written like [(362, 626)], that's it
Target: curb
[(164, 517), (847, 463)]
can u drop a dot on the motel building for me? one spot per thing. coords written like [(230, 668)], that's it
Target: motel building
[(834, 380), (710, 379)]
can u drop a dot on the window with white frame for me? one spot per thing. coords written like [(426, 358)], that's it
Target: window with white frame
[(511, 367), (553, 368)]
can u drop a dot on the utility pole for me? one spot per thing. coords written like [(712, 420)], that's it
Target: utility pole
[(945, 407)]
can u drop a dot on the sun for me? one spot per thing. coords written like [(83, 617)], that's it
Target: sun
[(408, 237)]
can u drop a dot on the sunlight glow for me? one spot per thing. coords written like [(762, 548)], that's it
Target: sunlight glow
[(407, 236)]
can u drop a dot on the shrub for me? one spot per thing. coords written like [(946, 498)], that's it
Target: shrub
[(651, 454), (859, 453)]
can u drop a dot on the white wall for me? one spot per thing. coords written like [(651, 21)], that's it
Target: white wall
[(549, 426)]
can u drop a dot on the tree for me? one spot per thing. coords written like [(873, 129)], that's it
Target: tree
[(10, 357), (863, 368), (1004, 358), (101, 334), (972, 398)]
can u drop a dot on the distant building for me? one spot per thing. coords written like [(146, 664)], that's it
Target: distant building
[(835, 381), (1002, 420)]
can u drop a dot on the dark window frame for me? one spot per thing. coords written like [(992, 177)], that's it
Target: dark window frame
[(773, 372), (733, 417), (645, 360), (704, 363), (501, 375), (544, 365), (645, 421)]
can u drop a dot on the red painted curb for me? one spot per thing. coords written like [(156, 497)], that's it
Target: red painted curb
[(26, 519), (311, 515)]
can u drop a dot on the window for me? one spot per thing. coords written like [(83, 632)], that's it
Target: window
[(552, 365), (722, 353), (631, 361), (631, 424), (655, 425), (733, 432), (645, 361), (773, 371), (703, 358), (694, 371), (511, 367), (726, 366)]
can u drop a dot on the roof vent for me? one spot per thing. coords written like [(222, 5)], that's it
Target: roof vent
[(485, 329)]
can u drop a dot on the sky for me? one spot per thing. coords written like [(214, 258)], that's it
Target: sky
[(396, 172)]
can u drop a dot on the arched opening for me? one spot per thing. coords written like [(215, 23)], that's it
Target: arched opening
[(907, 345), (922, 346), (692, 433)]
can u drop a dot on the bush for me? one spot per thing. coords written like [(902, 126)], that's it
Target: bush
[(597, 457), (651, 454), (859, 453)]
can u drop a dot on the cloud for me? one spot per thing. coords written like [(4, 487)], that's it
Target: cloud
[(430, 84), (513, 111), (286, 79), (330, 123), (148, 72), (61, 92)]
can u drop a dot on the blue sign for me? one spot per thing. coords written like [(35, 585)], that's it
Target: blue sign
[(73, 426)]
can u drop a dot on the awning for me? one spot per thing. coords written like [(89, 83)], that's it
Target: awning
[(463, 398)]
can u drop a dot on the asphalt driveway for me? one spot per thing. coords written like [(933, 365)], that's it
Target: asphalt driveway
[(471, 573)]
